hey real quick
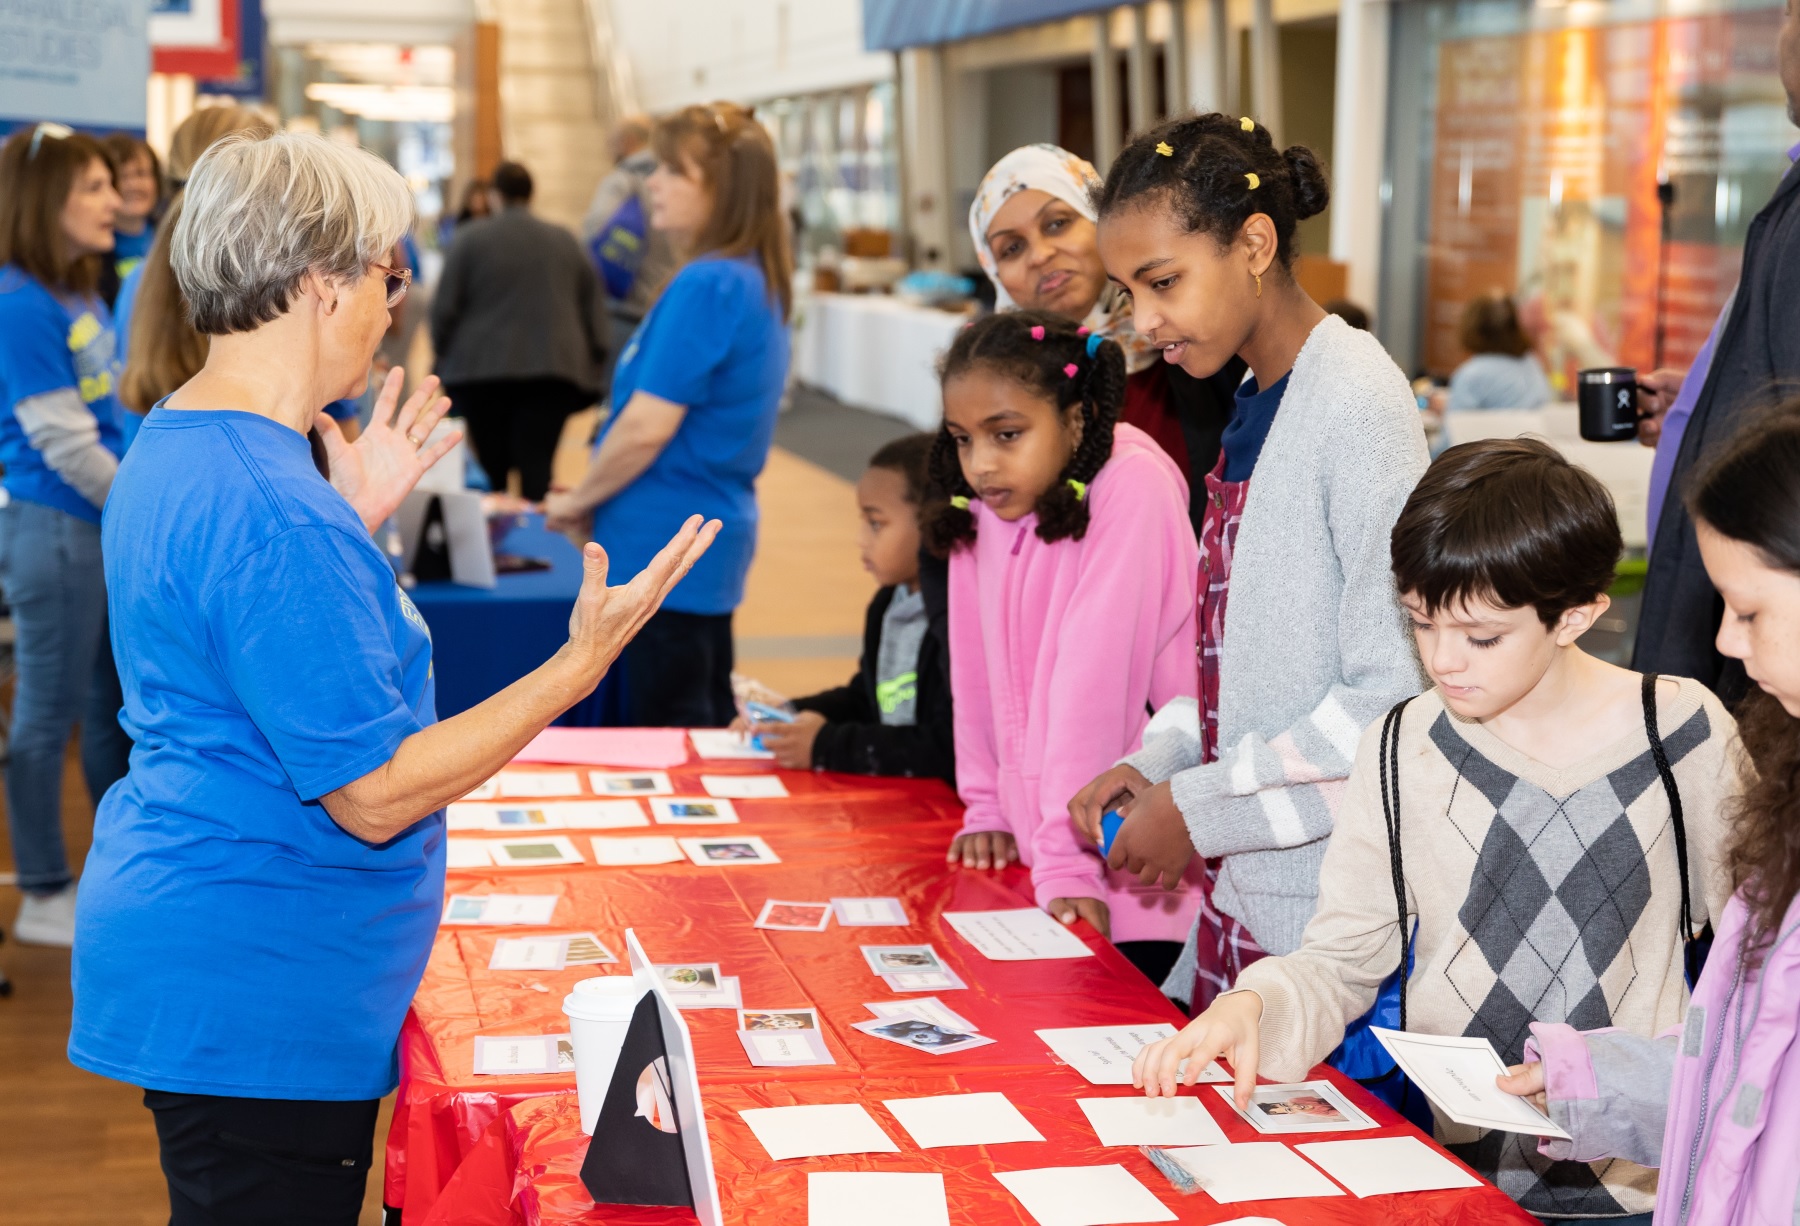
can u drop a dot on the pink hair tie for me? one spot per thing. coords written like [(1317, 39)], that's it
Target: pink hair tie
[(1082, 331), (1037, 332), (1071, 370)]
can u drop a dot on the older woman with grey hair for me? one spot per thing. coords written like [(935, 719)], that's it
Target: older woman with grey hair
[(265, 883)]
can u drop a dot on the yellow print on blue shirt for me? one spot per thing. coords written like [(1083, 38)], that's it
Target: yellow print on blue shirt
[(94, 350)]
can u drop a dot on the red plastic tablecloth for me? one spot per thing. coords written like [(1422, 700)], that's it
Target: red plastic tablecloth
[(507, 1150)]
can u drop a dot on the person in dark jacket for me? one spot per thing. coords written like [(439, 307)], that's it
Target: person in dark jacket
[(893, 717), (520, 334)]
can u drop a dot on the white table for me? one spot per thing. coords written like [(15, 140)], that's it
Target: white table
[(874, 352)]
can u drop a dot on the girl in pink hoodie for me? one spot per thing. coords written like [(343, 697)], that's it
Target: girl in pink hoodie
[(1073, 573)]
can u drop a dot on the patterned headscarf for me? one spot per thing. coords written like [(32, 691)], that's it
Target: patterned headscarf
[(1071, 179)]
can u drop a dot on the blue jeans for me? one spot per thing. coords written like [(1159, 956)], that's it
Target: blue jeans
[(50, 572)]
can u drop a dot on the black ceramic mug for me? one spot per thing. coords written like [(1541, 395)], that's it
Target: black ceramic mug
[(1607, 397)]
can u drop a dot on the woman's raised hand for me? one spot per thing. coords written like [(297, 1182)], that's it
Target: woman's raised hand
[(378, 470), (1228, 1028), (606, 618)]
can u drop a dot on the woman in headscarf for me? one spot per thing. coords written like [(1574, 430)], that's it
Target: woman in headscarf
[(1033, 227)]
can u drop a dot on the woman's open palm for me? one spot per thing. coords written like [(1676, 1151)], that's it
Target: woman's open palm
[(378, 470), (606, 618)]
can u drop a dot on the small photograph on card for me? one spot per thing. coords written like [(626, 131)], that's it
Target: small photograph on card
[(870, 912), (585, 949), (729, 851), (534, 853), (702, 977), (692, 811), (794, 916), (925, 1009), (922, 1035), (778, 1019), (898, 959), (778, 1048), (515, 819), (1307, 1106), (634, 783)]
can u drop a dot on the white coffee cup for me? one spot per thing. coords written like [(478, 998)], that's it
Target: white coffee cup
[(599, 1012)]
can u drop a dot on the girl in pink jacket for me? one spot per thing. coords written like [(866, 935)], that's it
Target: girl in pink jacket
[(1716, 1105), (1073, 573)]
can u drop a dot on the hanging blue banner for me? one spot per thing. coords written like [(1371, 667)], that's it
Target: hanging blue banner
[(85, 64), (889, 25), (248, 82)]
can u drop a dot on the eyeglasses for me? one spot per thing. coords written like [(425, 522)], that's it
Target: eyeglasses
[(399, 280), (55, 131)]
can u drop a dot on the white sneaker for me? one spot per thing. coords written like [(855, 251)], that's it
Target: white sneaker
[(47, 919)]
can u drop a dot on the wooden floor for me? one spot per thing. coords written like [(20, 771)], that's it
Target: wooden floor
[(79, 1150)]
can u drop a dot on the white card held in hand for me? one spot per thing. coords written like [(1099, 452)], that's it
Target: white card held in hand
[(1103, 1054), (539, 783), (817, 1131), (926, 1009), (870, 912), (1252, 1170), (1302, 1106), (1137, 1120), (466, 853), (536, 1053), (726, 745), (875, 1198), (533, 909), (651, 849), (745, 787), (962, 1119), (1084, 1196), (692, 811), (1377, 1166), (535, 853), (1457, 1075), (1022, 935), (630, 783), (728, 851)]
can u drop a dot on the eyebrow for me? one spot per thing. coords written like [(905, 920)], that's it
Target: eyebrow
[(1148, 266)]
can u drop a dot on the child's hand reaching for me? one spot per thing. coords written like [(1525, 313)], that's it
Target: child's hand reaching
[(791, 743), (987, 849), (1093, 910), (1121, 783), (1154, 842), (1228, 1028)]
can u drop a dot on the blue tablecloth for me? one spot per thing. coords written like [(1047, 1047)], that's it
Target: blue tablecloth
[(482, 641)]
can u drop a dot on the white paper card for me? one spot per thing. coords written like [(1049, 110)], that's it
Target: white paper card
[(599, 814), (1380, 1165), (1023, 935), (536, 1053), (729, 851), (525, 817), (529, 954), (1084, 1196), (1457, 1075), (630, 783), (539, 783), (926, 1009), (1103, 1054), (745, 787), (499, 908), (817, 1131), (652, 849), (535, 853), (724, 744), (870, 912), (962, 1119), (692, 811), (466, 853), (875, 1198), (1300, 1106), (1151, 1121), (1253, 1170)]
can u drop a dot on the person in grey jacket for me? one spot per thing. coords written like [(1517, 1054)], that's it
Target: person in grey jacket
[(519, 334), (1197, 220), (633, 160)]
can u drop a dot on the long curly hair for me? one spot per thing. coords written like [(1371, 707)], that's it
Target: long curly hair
[(1750, 492), (1038, 350)]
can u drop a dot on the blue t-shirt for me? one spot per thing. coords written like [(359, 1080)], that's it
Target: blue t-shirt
[(49, 343), (129, 250), (1252, 413), (231, 938), (123, 305), (716, 344)]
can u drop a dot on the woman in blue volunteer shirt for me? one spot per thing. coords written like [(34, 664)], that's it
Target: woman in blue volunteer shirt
[(695, 396), (264, 885), (59, 444)]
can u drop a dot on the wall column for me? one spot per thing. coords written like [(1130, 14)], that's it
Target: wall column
[(1106, 94)]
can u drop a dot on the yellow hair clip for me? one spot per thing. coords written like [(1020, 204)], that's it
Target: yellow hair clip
[(959, 502), (1163, 147), (1250, 177), (1080, 488), (1247, 124)]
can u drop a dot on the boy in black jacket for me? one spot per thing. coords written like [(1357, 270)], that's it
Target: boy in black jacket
[(893, 718)]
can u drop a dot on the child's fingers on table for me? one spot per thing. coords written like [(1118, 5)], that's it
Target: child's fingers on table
[(1244, 1054)]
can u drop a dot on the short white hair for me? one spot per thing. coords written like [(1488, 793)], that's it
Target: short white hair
[(262, 211)]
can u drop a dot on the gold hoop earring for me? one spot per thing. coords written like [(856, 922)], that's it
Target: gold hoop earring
[(1258, 277)]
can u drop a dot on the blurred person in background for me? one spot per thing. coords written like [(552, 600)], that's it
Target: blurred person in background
[(60, 446), (139, 180), (1033, 225), (1501, 371), (519, 332), (633, 258), (696, 393), (1349, 312)]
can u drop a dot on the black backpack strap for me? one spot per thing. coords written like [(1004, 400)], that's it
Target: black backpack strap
[(1389, 757), (1690, 949)]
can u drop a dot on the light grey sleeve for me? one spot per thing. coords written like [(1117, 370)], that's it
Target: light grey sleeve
[(1608, 1089), (1171, 741), (61, 427)]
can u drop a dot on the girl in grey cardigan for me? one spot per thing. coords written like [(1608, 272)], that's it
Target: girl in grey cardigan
[(1197, 220)]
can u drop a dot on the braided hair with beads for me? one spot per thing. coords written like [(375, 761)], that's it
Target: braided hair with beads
[(1057, 361)]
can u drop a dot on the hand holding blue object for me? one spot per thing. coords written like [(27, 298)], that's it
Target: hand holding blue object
[(1110, 822)]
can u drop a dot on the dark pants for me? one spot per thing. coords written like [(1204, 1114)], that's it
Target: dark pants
[(263, 1161), (515, 423), (1154, 958), (675, 674)]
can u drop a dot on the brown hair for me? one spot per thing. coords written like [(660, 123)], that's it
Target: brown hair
[(736, 160), (1507, 520), (1750, 492), (34, 189), (910, 456), (121, 147), (164, 351), (1490, 324)]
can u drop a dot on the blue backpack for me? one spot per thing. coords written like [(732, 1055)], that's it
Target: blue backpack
[(618, 249)]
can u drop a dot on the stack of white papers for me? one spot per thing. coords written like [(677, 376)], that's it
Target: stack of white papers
[(1254, 1170), (652, 849), (499, 909), (745, 787), (1457, 1075), (536, 1053), (1381, 1165), (724, 744), (1103, 1054), (1084, 1196), (1151, 1121), (875, 1198), (817, 1131), (1022, 935), (962, 1119)]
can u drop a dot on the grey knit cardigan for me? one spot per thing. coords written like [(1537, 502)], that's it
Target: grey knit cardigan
[(1315, 648)]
